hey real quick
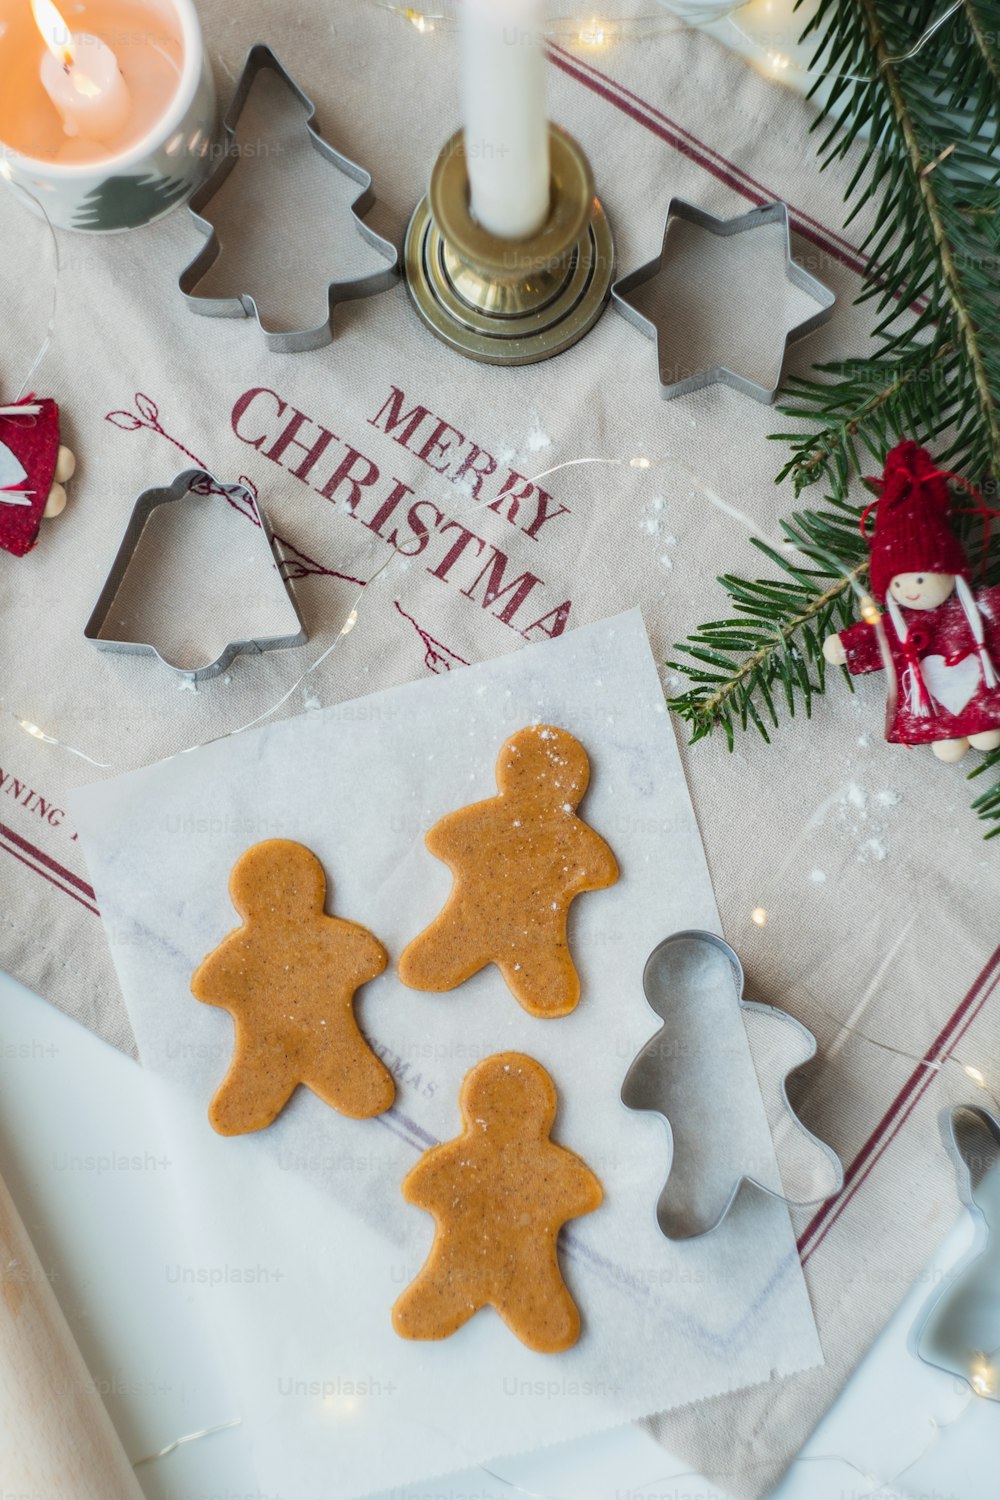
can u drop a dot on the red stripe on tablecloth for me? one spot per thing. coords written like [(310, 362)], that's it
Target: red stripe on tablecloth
[(58, 869), (46, 876), (832, 237), (903, 1105), (720, 168)]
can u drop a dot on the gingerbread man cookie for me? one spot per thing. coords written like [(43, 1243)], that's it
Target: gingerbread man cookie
[(499, 1194), (518, 860), (288, 978)]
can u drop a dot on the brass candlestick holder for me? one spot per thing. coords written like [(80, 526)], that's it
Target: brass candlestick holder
[(510, 302)]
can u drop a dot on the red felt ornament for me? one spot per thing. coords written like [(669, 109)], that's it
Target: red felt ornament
[(940, 641), (32, 469)]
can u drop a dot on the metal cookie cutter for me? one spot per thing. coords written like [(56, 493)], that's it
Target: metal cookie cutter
[(197, 481), (961, 1332), (706, 1072), (769, 213), (244, 305)]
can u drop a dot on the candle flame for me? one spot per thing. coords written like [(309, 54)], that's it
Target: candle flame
[(55, 32)]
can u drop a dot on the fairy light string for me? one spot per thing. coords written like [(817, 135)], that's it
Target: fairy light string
[(594, 33), (396, 561), (983, 1375), (983, 1383), (30, 198), (188, 1437)]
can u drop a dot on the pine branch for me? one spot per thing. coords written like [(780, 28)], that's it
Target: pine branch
[(925, 179), (990, 56), (930, 168), (815, 453)]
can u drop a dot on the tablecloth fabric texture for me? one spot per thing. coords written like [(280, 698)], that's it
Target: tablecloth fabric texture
[(881, 931)]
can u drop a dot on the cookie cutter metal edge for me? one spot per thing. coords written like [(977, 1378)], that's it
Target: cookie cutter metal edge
[(767, 213), (281, 341), (147, 502), (985, 1234), (698, 935)]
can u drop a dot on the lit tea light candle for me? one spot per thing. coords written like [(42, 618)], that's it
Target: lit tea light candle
[(81, 76), (107, 123), (506, 125)]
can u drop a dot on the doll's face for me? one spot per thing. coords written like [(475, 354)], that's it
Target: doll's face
[(922, 590)]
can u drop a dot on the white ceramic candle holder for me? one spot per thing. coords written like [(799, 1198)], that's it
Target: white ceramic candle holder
[(155, 174)]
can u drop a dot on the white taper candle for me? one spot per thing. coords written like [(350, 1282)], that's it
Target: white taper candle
[(506, 125)]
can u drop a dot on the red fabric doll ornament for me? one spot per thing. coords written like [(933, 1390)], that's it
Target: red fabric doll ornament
[(939, 642), (33, 468)]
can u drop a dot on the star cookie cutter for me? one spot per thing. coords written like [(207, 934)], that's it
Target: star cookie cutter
[(243, 305), (768, 213), (197, 481), (705, 1016)]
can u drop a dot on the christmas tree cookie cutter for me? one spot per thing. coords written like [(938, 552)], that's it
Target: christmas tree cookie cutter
[(659, 329), (243, 305), (191, 481), (723, 1099), (961, 1330)]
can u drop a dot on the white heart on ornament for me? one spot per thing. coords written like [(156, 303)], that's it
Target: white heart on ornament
[(11, 470), (952, 686)]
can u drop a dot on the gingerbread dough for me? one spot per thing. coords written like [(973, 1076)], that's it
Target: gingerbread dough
[(288, 978), (499, 1193), (518, 860)]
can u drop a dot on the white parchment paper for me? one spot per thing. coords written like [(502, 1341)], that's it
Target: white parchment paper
[(301, 1231)]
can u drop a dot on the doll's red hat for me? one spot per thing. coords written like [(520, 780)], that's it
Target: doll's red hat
[(912, 534)]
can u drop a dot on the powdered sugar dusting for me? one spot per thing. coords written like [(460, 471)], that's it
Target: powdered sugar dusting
[(537, 438)]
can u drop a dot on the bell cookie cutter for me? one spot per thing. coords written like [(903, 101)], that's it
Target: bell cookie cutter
[(243, 305), (701, 972), (961, 1330), (197, 481), (768, 213)]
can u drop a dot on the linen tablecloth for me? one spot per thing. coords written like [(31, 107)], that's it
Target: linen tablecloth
[(881, 931)]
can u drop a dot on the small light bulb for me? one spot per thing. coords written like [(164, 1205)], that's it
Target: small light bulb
[(982, 1375), (759, 915), (640, 463), (341, 1406), (593, 36), (869, 610), (974, 1074), (349, 623)]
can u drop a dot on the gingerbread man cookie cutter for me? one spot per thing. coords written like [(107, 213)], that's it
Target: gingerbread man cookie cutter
[(244, 305), (190, 481), (701, 1073)]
